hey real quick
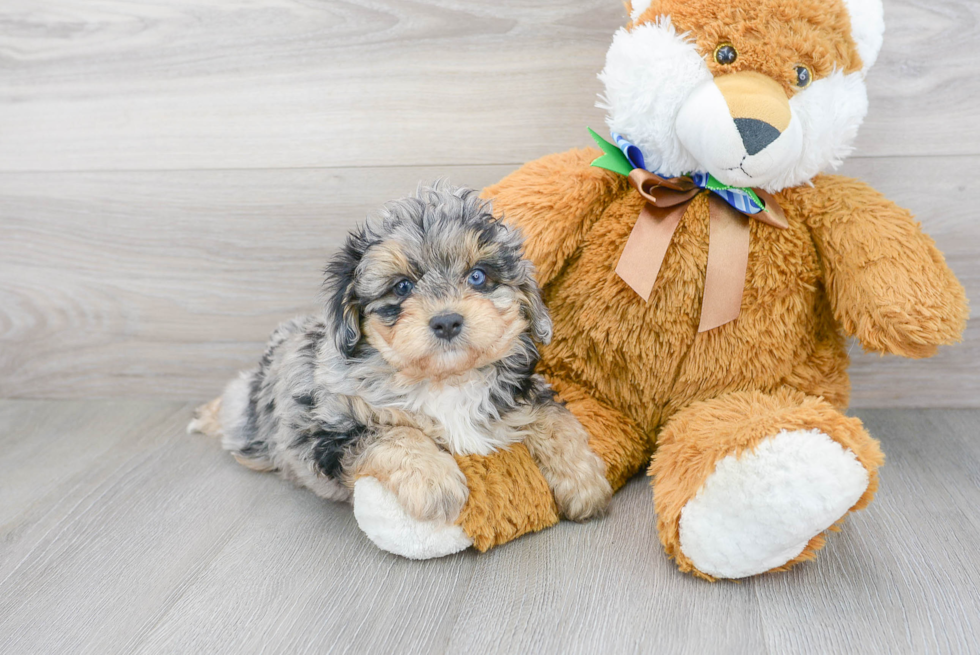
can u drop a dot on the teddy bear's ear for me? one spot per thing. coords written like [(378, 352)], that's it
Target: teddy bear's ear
[(637, 7), (867, 28)]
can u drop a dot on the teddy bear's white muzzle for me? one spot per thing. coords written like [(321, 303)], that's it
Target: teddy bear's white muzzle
[(740, 130)]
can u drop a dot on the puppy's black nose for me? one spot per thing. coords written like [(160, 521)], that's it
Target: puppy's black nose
[(446, 326), (756, 134)]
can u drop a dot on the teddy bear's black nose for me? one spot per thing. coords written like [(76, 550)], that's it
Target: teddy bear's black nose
[(756, 134), (446, 326)]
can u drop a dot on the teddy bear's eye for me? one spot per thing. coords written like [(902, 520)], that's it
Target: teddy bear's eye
[(726, 54), (804, 77)]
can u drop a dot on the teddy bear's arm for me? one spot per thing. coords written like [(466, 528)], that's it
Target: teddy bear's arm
[(554, 201), (888, 284)]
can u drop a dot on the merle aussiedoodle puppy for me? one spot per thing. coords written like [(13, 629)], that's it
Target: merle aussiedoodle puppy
[(425, 349)]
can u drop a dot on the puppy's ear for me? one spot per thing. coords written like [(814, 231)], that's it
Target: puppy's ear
[(513, 257), (537, 313), (343, 308)]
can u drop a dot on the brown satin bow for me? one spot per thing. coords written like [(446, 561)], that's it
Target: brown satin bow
[(728, 245)]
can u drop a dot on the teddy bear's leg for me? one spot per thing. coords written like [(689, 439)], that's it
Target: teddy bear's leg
[(508, 497), (386, 523), (749, 482)]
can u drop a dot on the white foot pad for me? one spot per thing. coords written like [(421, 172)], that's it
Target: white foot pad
[(385, 523), (758, 512)]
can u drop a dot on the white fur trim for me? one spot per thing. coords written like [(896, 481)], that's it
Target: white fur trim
[(385, 523), (637, 7), (650, 72), (829, 112), (758, 512), (867, 28)]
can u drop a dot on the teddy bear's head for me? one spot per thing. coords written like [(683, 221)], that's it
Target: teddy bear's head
[(759, 93)]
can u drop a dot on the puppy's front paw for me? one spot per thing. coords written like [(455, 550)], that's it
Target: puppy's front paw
[(583, 492), (436, 492), (576, 475)]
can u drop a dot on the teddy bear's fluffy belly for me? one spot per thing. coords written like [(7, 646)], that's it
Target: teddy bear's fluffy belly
[(650, 358)]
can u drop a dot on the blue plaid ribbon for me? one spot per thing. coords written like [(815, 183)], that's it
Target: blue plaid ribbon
[(744, 200)]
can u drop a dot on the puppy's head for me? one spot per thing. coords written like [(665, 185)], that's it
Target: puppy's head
[(436, 285)]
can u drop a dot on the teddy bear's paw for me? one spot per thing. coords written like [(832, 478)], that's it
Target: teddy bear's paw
[(386, 523), (759, 511)]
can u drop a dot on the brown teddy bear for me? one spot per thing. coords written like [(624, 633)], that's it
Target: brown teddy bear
[(703, 276)]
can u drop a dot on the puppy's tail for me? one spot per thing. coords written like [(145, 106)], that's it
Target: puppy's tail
[(226, 418), (206, 420)]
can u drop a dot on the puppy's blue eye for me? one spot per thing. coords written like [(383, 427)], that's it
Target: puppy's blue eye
[(403, 288), (477, 278)]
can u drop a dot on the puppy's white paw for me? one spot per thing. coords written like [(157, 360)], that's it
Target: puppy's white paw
[(758, 512), (389, 526)]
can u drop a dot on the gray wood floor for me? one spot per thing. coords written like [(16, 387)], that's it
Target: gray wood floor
[(121, 534)]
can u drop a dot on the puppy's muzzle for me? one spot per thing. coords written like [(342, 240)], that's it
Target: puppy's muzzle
[(759, 107), (446, 326)]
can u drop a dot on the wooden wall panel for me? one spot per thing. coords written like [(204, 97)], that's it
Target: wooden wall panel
[(181, 84), (164, 283), (173, 174)]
